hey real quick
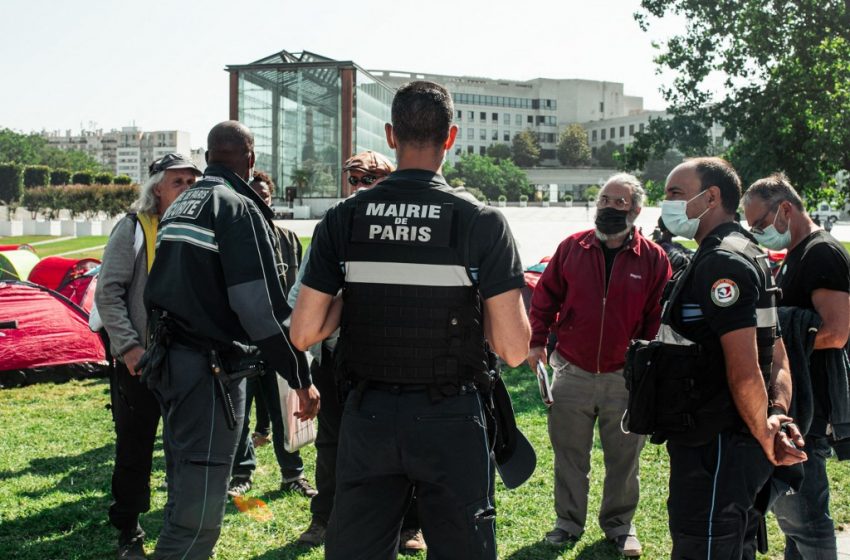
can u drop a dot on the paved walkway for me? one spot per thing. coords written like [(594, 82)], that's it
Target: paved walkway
[(843, 538)]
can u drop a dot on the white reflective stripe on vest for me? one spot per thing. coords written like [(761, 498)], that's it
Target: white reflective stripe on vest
[(406, 274), (766, 317)]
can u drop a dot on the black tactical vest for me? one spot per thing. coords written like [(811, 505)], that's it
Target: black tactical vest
[(412, 312), (693, 398)]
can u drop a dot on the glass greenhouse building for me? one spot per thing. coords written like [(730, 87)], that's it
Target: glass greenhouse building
[(309, 114)]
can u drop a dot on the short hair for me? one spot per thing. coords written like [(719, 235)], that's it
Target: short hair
[(629, 180), (265, 178), (773, 190), (230, 136), (715, 171), (146, 201), (422, 113)]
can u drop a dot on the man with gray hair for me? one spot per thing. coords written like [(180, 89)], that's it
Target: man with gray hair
[(601, 289), (128, 257)]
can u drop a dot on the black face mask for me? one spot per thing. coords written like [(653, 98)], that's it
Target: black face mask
[(610, 220)]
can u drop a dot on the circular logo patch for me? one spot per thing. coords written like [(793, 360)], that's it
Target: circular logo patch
[(724, 292)]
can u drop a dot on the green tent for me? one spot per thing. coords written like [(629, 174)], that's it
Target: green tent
[(16, 265)]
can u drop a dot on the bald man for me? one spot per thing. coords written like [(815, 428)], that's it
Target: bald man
[(216, 314)]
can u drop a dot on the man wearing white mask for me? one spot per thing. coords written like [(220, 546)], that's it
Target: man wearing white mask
[(601, 289), (815, 282), (723, 386)]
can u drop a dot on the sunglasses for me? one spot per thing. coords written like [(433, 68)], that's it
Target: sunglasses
[(365, 180)]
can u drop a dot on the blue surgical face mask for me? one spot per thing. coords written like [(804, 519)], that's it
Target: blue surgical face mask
[(769, 237), (674, 213)]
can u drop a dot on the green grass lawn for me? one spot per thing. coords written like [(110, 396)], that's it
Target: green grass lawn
[(57, 444), (48, 248)]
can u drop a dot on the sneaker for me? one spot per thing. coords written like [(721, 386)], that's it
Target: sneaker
[(239, 486), (411, 541), (559, 537), (132, 549), (628, 546), (314, 535), (260, 440), (299, 486)]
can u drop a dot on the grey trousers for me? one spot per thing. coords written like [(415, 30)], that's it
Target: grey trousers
[(199, 449), (580, 399)]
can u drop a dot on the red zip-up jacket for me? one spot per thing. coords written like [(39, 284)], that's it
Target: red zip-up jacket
[(595, 324)]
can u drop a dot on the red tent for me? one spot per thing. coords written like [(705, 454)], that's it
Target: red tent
[(73, 278), (44, 337)]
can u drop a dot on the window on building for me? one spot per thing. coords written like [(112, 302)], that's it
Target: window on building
[(507, 136), (482, 150), (603, 133), (612, 132), (602, 107), (593, 136), (622, 131), (518, 120), (631, 129), (470, 134), (483, 135), (460, 115), (506, 118), (495, 136), (470, 149), (541, 119), (530, 119), (495, 117), (471, 115), (483, 116), (457, 151), (641, 127)]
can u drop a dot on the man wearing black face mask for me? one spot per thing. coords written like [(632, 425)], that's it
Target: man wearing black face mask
[(604, 287)]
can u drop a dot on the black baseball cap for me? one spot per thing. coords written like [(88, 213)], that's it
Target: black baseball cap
[(172, 161)]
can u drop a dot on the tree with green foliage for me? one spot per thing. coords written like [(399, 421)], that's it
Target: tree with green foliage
[(33, 149), (525, 149), (60, 177), (11, 183), (493, 178), (786, 100), (608, 154), (103, 178), (36, 176), (573, 149), (122, 180), (82, 178), (499, 151)]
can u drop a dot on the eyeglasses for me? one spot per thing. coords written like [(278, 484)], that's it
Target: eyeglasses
[(760, 230), (365, 180), (619, 203)]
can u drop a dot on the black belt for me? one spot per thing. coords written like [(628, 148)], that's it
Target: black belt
[(412, 387)]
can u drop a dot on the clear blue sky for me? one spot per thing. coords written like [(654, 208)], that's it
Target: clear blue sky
[(111, 62)]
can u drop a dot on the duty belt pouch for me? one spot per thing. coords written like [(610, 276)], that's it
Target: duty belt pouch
[(640, 373)]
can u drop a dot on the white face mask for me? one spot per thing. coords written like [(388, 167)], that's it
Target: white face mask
[(674, 213), (771, 238)]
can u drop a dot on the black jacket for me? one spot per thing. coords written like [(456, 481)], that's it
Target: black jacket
[(216, 272)]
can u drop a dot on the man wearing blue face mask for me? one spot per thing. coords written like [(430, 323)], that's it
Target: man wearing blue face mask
[(815, 282), (723, 385)]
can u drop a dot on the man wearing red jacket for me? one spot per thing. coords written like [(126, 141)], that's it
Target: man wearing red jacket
[(604, 287)]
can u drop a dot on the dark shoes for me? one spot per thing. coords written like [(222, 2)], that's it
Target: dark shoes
[(314, 535), (132, 547), (239, 486), (411, 541), (628, 546), (299, 486), (559, 537)]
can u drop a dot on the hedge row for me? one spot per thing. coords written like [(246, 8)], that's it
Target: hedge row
[(85, 200), (14, 178)]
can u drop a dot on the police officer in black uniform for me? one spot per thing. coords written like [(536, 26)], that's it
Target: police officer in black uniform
[(216, 313), (425, 276), (721, 366)]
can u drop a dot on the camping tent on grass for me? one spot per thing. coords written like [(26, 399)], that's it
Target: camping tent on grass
[(44, 336), (17, 264), (73, 278)]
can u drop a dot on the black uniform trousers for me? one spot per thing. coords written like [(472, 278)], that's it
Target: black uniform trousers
[(199, 448), (390, 442), (136, 414), (327, 440), (712, 491)]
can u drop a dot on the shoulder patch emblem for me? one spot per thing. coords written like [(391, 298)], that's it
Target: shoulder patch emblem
[(724, 292)]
